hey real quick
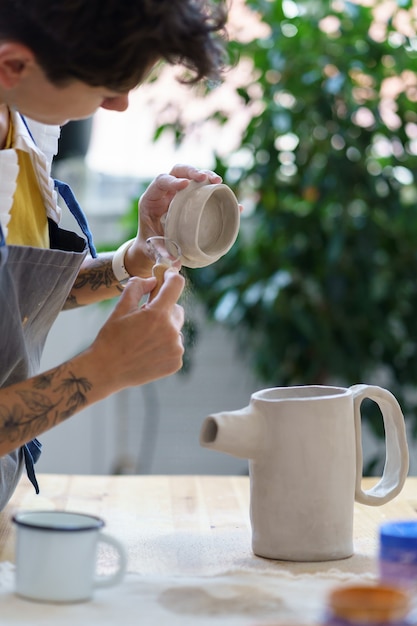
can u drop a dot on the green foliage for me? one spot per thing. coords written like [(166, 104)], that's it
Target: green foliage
[(321, 284)]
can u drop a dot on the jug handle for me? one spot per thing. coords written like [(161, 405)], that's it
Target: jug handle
[(396, 459)]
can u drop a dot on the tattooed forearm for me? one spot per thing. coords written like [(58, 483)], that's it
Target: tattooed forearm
[(97, 274), (72, 303), (54, 398), (94, 282)]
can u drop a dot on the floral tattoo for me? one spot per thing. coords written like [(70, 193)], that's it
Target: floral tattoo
[(38, 409)]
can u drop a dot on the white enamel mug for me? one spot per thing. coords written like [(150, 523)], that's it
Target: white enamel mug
[(56, 556)]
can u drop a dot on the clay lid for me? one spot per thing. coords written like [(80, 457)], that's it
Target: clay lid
[(203, 219), (368, 604)]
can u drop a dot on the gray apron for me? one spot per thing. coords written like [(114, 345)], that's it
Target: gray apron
[(34, 285)]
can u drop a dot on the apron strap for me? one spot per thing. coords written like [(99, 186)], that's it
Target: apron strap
[(4, 251), (32, 452), (67, 194)]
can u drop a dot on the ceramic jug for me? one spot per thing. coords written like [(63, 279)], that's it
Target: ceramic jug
[(304, 447)]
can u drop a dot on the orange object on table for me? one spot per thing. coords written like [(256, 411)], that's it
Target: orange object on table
[(369, 604)]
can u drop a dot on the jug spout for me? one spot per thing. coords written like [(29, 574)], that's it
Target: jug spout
[(235, 432)]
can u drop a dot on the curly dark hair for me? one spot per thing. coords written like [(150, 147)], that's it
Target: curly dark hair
[(113, 43)]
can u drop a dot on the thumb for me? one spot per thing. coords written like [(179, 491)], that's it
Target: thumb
[(132, 294)]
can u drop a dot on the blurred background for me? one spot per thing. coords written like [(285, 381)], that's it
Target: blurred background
[(315, 129)]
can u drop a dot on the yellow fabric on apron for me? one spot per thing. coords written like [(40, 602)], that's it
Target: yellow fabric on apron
[(28, 224)]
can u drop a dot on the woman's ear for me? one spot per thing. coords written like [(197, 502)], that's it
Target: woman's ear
[(15, 60)]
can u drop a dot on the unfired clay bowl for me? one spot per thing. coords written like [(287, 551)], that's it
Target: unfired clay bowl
[(203, 219)]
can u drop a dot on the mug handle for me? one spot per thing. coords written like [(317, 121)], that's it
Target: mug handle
[(116, 577), (396, 459)]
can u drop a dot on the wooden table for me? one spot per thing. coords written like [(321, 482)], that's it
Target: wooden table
[(190, 561), (186, 524)]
